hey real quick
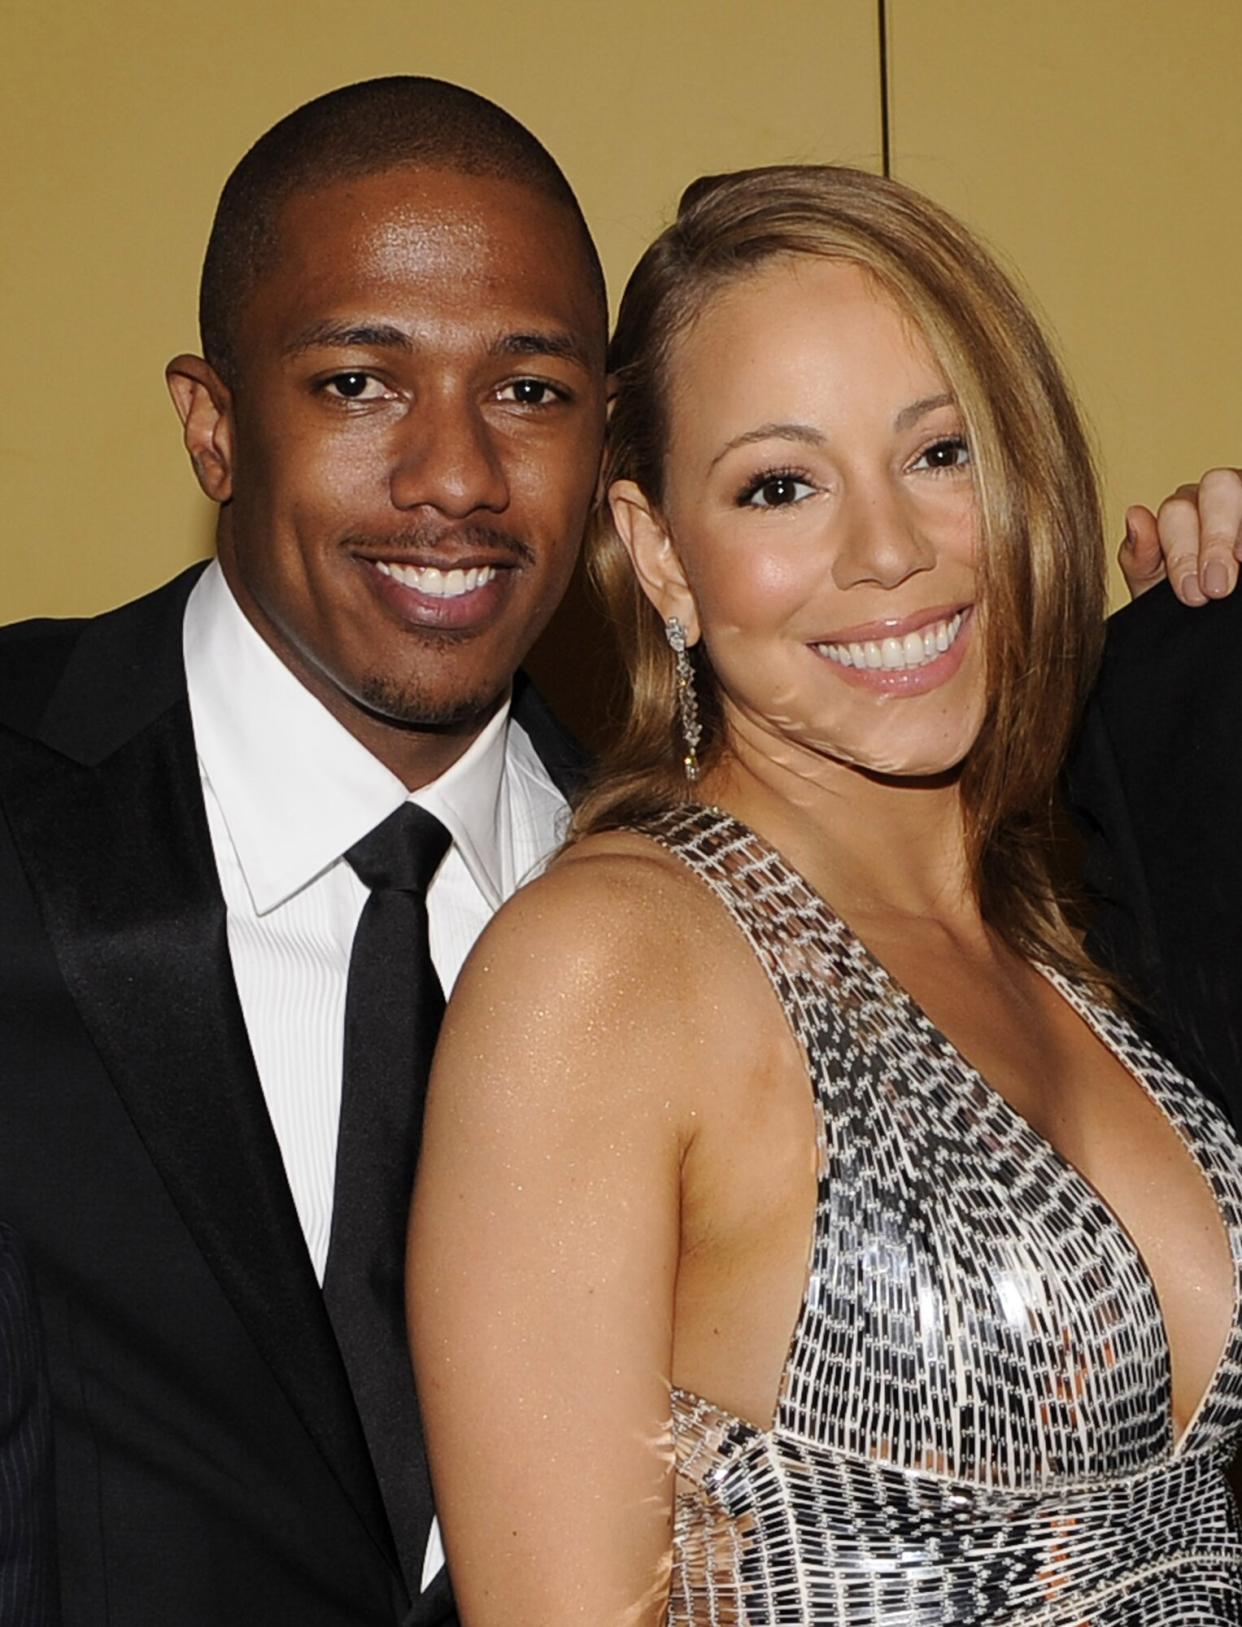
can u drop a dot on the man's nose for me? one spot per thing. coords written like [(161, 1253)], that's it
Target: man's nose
[(881, 541), (447, 459)]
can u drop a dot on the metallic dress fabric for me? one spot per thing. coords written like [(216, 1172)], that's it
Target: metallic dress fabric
[(974, 1421)]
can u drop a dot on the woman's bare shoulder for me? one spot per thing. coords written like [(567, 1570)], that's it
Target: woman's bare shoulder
[(609, 898), (616, 925)]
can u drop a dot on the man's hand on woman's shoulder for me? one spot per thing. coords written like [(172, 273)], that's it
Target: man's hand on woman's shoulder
[(1194, 539)]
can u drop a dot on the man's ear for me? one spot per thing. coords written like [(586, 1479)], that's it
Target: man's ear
[(204, 405), (656, 565)]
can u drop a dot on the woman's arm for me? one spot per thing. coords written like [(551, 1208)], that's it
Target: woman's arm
[(544, 1248)]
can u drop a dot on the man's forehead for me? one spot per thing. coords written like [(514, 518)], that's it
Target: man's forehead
[(438, 234), (412, 208)]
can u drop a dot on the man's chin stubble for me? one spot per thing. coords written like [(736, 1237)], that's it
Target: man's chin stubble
[(404, 706)]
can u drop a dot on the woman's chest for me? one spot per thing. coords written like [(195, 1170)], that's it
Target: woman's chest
[(974, 1305)]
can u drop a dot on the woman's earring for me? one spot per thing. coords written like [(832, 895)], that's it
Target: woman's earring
[(687, 700)]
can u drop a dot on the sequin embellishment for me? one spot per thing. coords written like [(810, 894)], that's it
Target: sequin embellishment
[(975, 1420)]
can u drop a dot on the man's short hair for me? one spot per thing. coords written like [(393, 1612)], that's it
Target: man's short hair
[(358, 130)]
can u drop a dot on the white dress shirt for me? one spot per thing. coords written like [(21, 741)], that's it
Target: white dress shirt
[(288, 791)]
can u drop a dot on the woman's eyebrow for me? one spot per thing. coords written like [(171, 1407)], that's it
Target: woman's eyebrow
[(806, 433), (918, 409)]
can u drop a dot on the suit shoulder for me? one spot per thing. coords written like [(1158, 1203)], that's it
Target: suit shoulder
[(116, 665), (33, 655), (1159, 638), (1166, 708)]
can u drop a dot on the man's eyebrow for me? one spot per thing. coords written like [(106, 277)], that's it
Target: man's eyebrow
[(348, 336), (383, 336), (807, 434), (557, 342), (919, 409)]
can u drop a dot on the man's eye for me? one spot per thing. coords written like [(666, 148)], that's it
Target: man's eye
[(951, 453), (530, 392), (776, 491), (355, 387)]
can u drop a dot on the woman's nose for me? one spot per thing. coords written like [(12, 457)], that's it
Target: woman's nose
[(881, 541)]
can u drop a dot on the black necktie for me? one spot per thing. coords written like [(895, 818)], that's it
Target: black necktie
[(393, 1008)]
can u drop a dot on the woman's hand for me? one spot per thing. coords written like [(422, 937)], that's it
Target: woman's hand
[(543, 1256), (1194, 538)]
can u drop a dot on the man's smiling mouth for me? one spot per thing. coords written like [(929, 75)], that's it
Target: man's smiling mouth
[(437, 583)]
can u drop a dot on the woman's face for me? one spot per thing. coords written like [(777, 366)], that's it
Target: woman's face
[(820, 523)]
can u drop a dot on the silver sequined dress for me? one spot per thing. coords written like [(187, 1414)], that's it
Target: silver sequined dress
[(974, 1422)]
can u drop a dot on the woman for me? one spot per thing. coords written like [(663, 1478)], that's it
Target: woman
[(801, 1233)]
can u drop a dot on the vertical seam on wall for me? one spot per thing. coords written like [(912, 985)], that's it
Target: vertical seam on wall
[(886, 154)]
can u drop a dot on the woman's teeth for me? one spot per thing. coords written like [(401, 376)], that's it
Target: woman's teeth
[(438, 584), (897, 654)]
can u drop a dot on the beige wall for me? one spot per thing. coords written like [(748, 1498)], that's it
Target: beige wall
[(121, 118), (1096, 143)]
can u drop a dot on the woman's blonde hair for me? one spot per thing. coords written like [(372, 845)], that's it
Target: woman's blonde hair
[(1040, 568)]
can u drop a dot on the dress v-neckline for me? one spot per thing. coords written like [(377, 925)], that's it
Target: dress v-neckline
[(1088, 1194)]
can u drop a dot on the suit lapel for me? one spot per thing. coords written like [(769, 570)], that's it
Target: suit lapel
[(119, 856), (566, 762)]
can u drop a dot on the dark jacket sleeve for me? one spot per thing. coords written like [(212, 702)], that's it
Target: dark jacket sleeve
[(28, 1593), (1122, 934), (1156, 784)]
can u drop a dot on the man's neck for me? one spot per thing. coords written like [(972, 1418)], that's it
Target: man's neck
[(415, 752)]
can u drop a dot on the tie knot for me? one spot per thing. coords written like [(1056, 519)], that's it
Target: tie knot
[(403, 853)]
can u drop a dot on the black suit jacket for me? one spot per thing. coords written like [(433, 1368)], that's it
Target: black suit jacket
[(27, 1571), (1157, 783), (211, 1470)]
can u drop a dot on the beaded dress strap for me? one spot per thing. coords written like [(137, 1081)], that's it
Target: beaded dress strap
[(802, 946)]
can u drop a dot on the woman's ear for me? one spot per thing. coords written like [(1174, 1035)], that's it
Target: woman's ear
[(645, 537), (205, 407)]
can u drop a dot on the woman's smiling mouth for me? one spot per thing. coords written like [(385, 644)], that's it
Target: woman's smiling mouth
[(897, 660)]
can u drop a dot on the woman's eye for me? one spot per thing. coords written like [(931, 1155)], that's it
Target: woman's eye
[(530, 392), (776, 491), (951, 453), (355, 387)]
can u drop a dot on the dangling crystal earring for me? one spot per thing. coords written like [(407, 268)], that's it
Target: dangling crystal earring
[(687, 700)]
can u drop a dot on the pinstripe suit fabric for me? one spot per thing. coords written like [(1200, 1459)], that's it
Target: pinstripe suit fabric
[(27, 1582)]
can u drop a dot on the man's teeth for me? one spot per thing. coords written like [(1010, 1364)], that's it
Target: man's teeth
[(438, 584), (898, 654)]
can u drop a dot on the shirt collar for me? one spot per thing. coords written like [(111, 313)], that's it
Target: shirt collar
[(294, 787)]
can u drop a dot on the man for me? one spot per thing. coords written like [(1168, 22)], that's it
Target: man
[(1157, 777), (210, 1081)]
